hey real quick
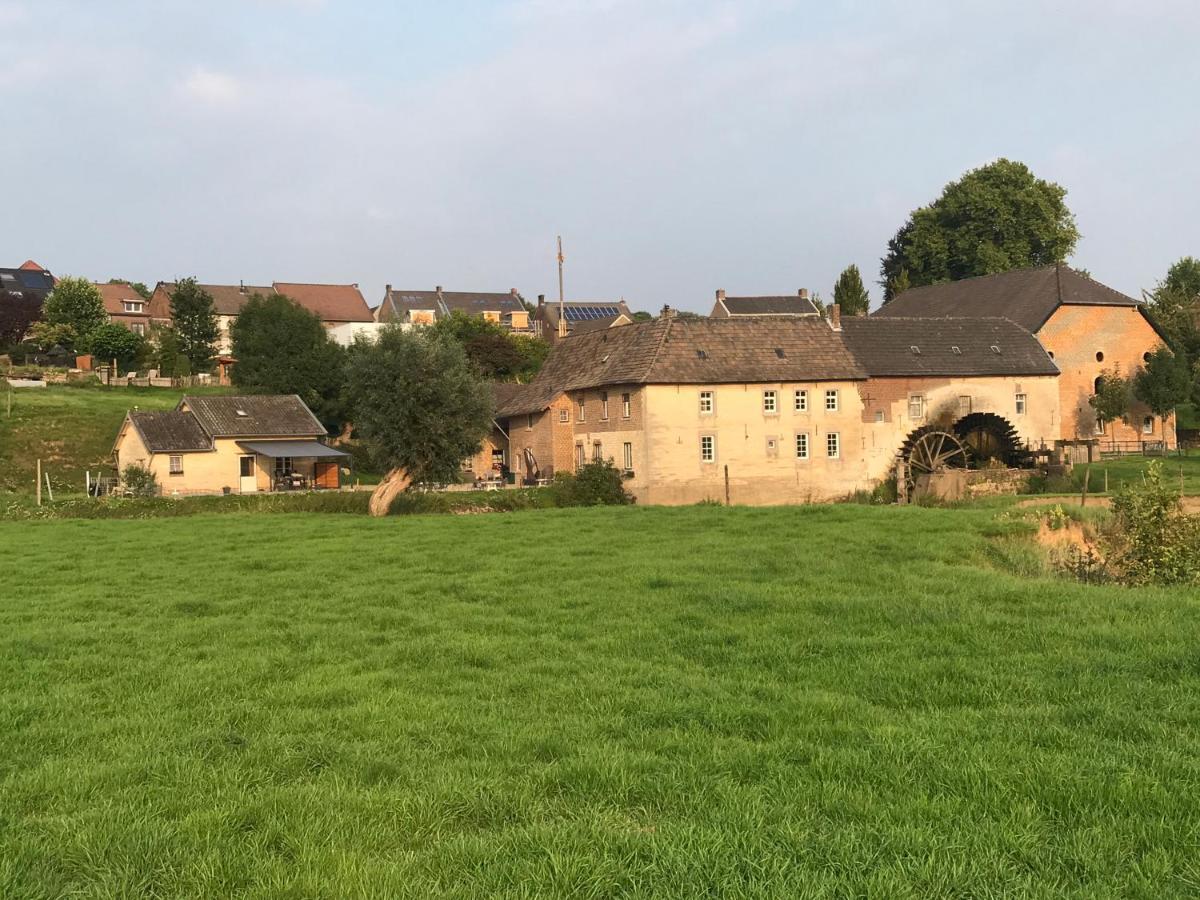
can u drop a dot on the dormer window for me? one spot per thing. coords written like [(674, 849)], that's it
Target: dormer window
[(132, 306)]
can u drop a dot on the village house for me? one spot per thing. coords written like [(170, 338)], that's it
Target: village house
[(335, 304), (30, 279), (772, 409), (1085, 326), (553, 320), (241, 445), (418, 308), (125, 306), (796, 305)]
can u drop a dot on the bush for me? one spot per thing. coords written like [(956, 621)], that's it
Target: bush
[(139, 481), (597, 483), (1153, 540)]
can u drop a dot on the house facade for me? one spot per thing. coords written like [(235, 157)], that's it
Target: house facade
[(240, 445), (30, 279), (1085, 326), (125, 306), (418, 308), (769, 410)]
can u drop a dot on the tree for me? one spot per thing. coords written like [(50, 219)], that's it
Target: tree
[(1175, 306), (282, 348), (1183, 278), (75, 302), (117, 342), (195, 323), (1112, 397), (993, 219), (417, 403), (850, 293), (18, 313), (642, 316), (46, 336), (169, 355), (496, 353), (1163, 382), (897, 285)]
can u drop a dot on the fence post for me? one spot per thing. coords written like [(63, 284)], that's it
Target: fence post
[(38, 481), (726, 484)]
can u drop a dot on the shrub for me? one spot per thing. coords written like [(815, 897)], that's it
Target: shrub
[(139, 481), (597, 483), (1153, 541)]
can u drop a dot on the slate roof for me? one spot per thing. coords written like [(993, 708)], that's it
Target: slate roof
[(445, 302), (1026, 296), (979, 347), (282, 415), (793, 305), (332, 302), (170, 432)]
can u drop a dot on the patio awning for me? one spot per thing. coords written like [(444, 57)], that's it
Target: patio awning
[(295, 449)]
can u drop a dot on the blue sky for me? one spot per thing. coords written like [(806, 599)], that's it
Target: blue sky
[(678, 147)]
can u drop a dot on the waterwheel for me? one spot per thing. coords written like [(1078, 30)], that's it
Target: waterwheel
[(989, 436), (927, 451)]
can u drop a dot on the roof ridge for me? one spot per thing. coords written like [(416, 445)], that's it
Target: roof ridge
[(661, 343)]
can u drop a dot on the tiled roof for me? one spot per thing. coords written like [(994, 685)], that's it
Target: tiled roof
[(900, 347), (445, 302), (170, 432), (517, 399), (228, 299), (332, 302), (1026, 296), (281, 415), (114, 297), (794, 305)]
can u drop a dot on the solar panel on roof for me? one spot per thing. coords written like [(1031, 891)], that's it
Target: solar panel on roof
[(35, 280)]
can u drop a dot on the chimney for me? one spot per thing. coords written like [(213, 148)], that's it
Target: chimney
[(541, 300), (803, 293), (513, 291), (720, 293), (241, 286), (387, 289), (835, 316), (438, 290), (668, 313)]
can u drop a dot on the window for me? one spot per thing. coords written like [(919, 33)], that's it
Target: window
[(772, 447), (625, 406), (916, 407), (597, 451), (283, 466), (1100, 426), (802, 446), (138, 328), (708, 448), (831, 401), (176, 465), (579, 417), (1148, 425), (1020, 404), (706, 403), (604, 405), (627, 456), (833, 445), (800, 401), (879, 416), (1099, 356), (564, 415), (246, 466), (964, 405), (132, 306), (529, 422), (580, 459), (770, 404)]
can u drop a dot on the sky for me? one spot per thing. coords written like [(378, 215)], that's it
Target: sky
[(678, 146)]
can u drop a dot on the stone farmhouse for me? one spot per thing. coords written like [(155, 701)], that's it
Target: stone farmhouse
[(1084, 325), (769, 409), (426, 307)]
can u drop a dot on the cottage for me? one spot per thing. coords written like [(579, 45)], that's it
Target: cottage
[(125, 306), (1085, 326), (418, 308), (213, 445), (553, 320)]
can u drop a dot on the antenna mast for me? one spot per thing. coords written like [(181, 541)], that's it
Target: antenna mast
[(562, 301)]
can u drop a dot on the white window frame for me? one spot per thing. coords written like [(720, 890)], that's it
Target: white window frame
[(802, 445), (175, 464), (1147, 424), (580, 416), (138, 328), (529, 422), (597, 451), (770, 403), (968, 401), (707, 399), (800, 400), (564, 415), (916, 402), (132, 306), (832, 400), (833, 445), (604, 406), (708, 448), (580, 454), (626, 406), (627, 456), (1021, 402)]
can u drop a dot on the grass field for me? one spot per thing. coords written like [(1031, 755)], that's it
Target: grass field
[(71, 429), (1126, 469), (798, 702)]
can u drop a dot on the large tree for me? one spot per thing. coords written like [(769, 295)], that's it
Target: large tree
[(496, 353), (77, 303), (1112, 396), (109, 342), (139, 287), (282, 348), (1175, 306), (17, 315), (995, 218), (418, 405), (850, 294), (195, 322), (1163, 382)]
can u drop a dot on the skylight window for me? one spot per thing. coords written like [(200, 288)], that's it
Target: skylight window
[(995, 349), (241, 412), (954, 349)]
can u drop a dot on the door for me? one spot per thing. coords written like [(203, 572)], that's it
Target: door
[(249, 480), (325, 475)]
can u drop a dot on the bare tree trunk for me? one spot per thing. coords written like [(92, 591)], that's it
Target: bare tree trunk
[(344, 436), (396, 482)]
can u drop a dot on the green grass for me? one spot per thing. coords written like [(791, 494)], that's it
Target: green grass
[(1127, 469), (798, 702), (71, 429)]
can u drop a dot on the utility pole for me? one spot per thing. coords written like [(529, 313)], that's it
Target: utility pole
[(562, 299)]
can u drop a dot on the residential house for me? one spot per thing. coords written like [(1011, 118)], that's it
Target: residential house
[(213, 445), (426, 307), (30, 279), (770, 409), (334, 304), (553, 320), (125, 306), (782, 305), (1085, 326)]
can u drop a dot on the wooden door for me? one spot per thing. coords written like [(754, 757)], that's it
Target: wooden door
[(326, 475)]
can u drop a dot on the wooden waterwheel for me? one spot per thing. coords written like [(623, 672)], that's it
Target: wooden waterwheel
[(928, 451)]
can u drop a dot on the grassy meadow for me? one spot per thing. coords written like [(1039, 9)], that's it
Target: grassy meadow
[(798, 702)]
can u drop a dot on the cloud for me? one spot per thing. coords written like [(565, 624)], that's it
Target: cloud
[(12, 13), (211, 88)]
